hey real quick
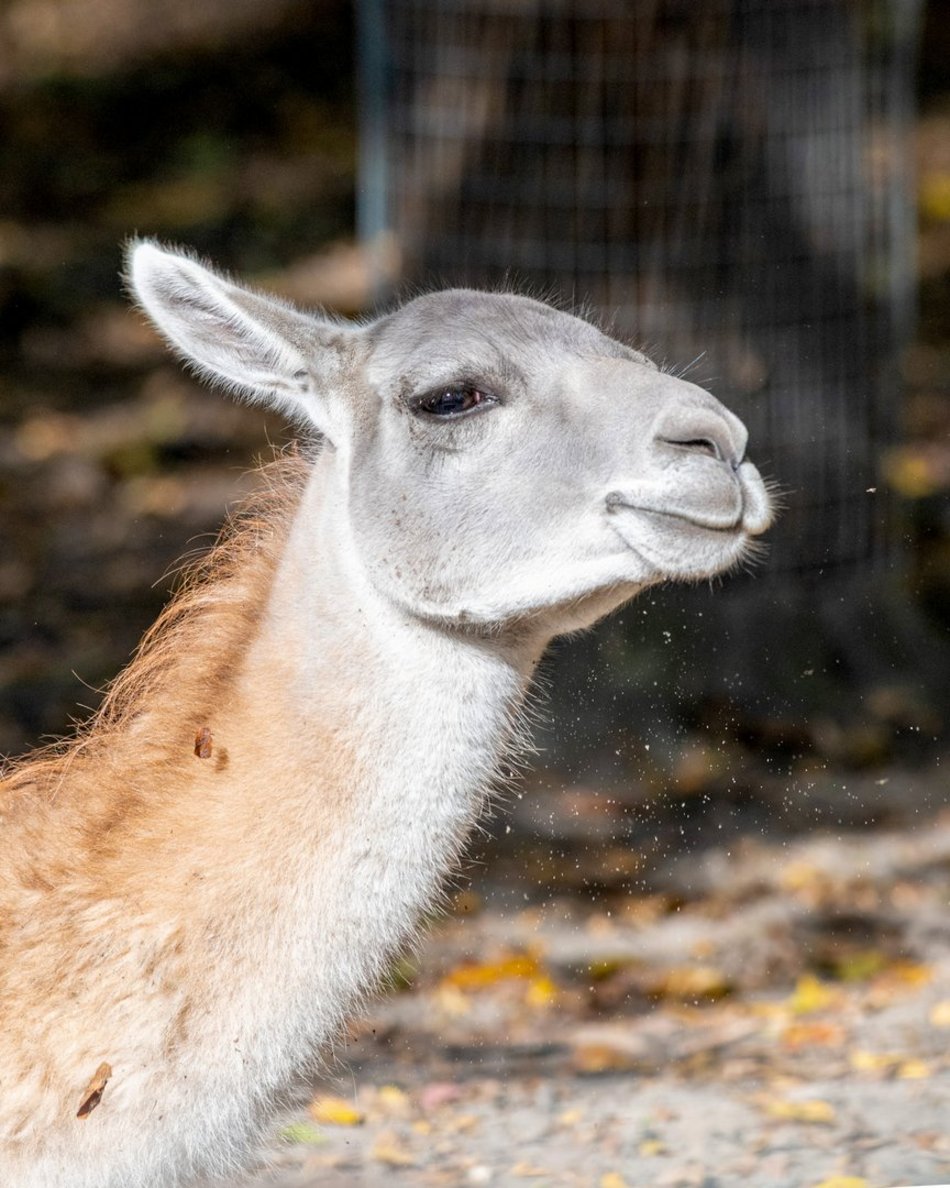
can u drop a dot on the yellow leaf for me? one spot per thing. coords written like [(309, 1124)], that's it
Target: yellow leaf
[(334, 1111), (804, 877), (302, 1132), (812, 1034), (599, 1058), (692, 981), (612, 1180), (476, 976), (940, 1014), (605, 968), (910, 973), (650, 1147), (812, 1111), (844, 1182), (858, 967), (463, 1122), (913, 1070), (389, 1149), (810, 995), (863, 1061), (452, 1002), (541, 992), (897, 979), (392, 1100)]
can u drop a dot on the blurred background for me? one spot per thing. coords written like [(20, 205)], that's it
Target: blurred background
[(758, 192)]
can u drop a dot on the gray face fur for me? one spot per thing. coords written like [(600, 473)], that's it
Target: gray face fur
[(497, 461)]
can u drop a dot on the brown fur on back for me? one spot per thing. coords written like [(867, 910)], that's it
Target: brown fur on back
[(181, 669), (89, 830)]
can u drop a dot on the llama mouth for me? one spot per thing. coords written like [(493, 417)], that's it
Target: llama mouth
[(683, 545), (728, 524), (735, 505)]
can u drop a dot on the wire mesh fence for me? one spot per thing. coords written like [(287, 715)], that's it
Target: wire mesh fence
[(726, 182)]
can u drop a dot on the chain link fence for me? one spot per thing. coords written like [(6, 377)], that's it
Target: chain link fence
[(726, 183)]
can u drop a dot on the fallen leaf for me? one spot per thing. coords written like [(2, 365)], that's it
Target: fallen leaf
[(651, 1147), (612, 1180), (463, 1122), (858, 967), (812, 1034), (914, 1070), (844, 1182), (526, 1170), (452, 1002), (909, 973), (605, 968), (812, 1111), (600, 1058), (864, 1061), (92, 1094), (804, 878), (391, 1150), (898, 979), (478, 975), (541, 993), (392, 1100), (303, 1132), (687, 982), (940, 1014), (334, 1111), (811, 995)]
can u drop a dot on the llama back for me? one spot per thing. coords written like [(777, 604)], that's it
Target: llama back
[(89, 894)]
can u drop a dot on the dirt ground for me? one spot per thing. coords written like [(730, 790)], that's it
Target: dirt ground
[(771, 1014)]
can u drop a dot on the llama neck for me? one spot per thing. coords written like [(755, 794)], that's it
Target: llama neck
[(372, 739), (423, 716)]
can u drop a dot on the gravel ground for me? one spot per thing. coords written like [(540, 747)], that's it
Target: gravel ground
[(786, 1030)]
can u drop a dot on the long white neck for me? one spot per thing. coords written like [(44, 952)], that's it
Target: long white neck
[(391, 732)]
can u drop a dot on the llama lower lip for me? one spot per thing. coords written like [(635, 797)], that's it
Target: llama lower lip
[(682, 518)]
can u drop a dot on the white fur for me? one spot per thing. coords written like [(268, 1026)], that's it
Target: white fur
[(428, 565)]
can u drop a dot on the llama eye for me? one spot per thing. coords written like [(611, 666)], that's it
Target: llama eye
[(453, 402)]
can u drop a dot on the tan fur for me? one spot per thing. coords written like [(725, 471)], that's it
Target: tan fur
[(81, 820)]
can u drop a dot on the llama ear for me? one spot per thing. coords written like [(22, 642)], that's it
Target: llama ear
[(256, 346)]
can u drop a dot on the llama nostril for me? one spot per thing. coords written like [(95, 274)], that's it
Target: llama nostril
[(698, 445), (714, 449), (702, 431)]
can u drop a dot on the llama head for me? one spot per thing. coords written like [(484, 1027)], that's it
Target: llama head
[(496, 462)]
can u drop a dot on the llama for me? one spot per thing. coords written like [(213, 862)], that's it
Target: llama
[(199, 889)]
